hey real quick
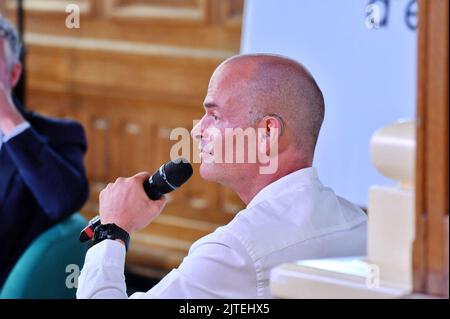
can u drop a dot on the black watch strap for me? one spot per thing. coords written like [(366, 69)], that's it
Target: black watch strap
[(110, 231)]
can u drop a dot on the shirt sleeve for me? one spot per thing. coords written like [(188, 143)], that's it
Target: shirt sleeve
[(213, 269), (103, 276), (16, 131)]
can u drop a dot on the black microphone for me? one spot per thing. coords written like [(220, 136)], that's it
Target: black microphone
[(169, 177)]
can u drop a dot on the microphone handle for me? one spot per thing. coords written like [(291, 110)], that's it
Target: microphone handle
[(152, 191)]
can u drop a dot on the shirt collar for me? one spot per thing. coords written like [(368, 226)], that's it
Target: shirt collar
[(285, 184)]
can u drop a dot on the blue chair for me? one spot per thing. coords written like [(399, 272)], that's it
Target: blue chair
[(50, 265)]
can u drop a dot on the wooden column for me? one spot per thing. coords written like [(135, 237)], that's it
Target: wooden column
[(431, 243)]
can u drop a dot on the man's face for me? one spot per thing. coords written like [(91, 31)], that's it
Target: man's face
[(224, 112)]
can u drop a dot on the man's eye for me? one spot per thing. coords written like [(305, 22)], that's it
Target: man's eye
[(215, 117)]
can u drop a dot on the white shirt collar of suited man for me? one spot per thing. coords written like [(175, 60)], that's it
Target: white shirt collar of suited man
[(17, 130)]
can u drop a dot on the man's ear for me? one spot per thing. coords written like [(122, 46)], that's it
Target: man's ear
[(269, 130), (15, 73)]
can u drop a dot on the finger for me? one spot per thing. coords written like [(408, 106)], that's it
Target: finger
[(119, 179), (161, 202), (104, 190), (141, 177), (102, 194)]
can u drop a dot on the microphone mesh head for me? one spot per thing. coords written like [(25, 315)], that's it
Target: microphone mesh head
[(178, 171)]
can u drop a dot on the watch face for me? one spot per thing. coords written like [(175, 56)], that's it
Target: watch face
[(110, 231), (104, 233)]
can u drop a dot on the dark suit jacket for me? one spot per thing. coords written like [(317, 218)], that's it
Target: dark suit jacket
[(42, 181)]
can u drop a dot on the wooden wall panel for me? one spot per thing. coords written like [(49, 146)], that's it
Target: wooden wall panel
[(134, 71)]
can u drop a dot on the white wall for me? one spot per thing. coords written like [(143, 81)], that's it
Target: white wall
[(368, 76)]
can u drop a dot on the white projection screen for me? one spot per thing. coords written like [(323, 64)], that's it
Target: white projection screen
[(363, 56)]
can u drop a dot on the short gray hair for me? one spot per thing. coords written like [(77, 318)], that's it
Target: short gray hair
[(13, 44)]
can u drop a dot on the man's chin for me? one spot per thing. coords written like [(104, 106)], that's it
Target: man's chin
[(210, 171)]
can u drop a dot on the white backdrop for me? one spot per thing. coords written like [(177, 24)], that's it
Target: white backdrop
[(368, 76)]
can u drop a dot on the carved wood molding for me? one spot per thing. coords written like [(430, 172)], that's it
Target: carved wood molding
[(51, 6), (190, 12)]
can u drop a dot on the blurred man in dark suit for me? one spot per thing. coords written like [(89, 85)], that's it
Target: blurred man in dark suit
[(42, 177)]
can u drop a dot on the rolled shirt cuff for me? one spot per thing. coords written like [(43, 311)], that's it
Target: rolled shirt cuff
[(109, 252)]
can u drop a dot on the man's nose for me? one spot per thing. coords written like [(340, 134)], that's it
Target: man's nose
[(196, 131)]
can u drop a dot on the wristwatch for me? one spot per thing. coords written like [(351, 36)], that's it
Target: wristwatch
[(110, 231)]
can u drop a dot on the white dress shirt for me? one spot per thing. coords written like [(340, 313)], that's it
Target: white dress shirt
[(16, 131), (294, 218)]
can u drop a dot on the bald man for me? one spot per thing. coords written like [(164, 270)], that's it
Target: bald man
[(289, 216)]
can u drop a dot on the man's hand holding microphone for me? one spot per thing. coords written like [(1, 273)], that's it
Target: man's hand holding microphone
[(126, 204), (130, 204)]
